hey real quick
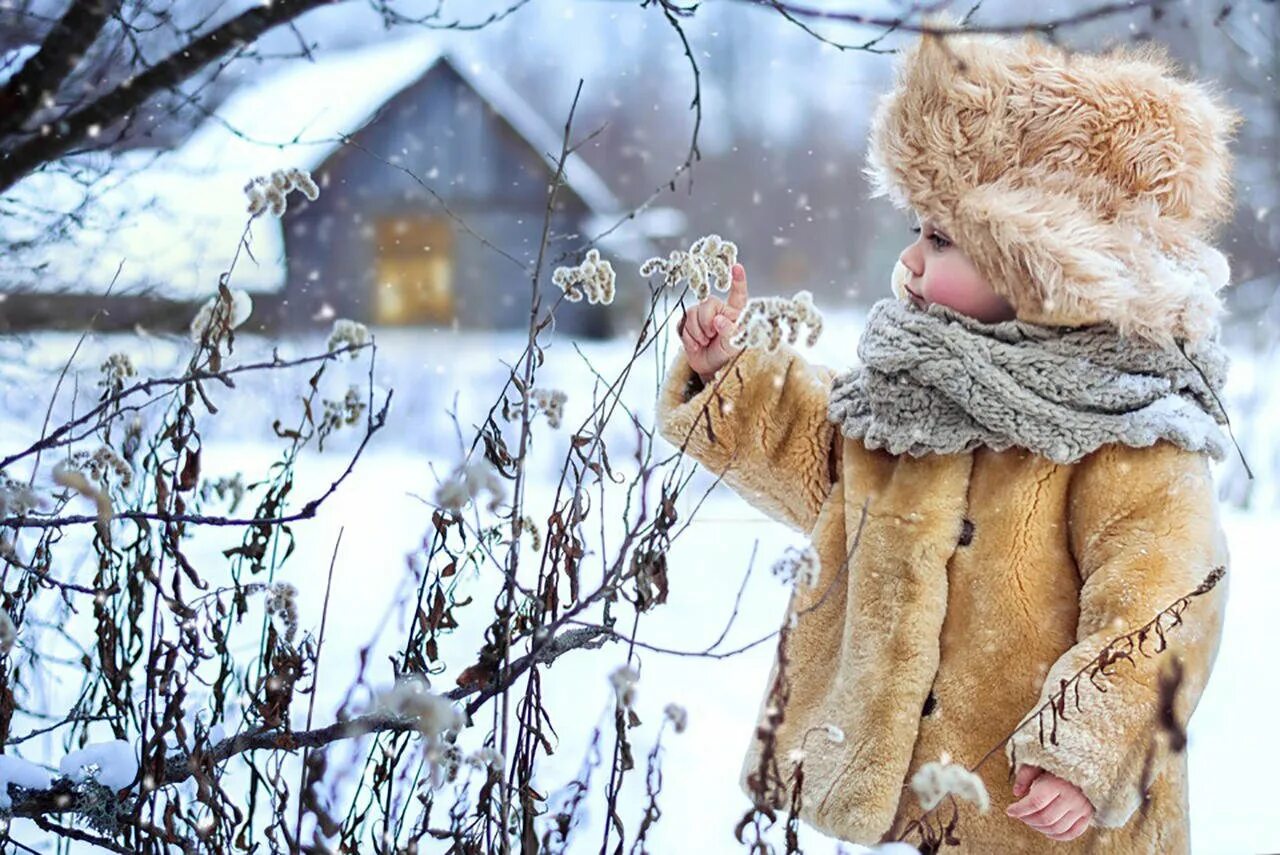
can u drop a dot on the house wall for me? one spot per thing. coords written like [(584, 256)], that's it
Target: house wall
[(439, 129)]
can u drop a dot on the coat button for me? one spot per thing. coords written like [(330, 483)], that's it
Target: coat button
[(929, 703), (966, 533)]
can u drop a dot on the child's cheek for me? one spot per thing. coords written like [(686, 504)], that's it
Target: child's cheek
[(950, 290), (966, 293)]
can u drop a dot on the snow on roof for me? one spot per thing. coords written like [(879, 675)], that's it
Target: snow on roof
[(295, 117)]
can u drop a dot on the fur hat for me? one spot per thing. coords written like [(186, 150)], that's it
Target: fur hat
[(1084, 187)]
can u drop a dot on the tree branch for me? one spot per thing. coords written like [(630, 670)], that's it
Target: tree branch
[(64, 797), (46, 71), (133, 92)]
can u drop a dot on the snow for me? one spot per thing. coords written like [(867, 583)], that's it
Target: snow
[(382, 521), (112, 764), (15, 770)]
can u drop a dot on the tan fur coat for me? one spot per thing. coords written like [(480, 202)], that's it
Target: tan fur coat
[(1021, 569)]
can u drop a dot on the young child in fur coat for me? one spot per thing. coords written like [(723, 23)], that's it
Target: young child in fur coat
[(1029, 435)]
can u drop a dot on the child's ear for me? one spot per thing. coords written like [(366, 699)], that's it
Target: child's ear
[(898, 279)]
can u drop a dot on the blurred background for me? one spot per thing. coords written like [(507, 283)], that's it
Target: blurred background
[(432, 131)]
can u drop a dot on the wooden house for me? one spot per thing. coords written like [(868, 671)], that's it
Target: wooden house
[(433, 175)]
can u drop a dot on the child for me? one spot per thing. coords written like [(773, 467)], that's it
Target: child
[(1030, 434)]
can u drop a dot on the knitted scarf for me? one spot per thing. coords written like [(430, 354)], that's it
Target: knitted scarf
[(935, 380)]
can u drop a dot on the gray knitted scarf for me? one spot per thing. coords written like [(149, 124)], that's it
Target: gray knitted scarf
[(935, 380)]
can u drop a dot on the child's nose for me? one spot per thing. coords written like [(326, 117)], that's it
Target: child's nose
[(910, 258)]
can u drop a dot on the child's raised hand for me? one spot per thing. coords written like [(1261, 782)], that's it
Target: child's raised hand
[(705, 331), (1054, 807)]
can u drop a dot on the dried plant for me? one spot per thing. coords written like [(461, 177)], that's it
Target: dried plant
[(594, 278), (708, 261), (764, 320), (270, 192), (213, 699)]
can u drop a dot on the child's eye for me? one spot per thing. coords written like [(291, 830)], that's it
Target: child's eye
[(939, 242)]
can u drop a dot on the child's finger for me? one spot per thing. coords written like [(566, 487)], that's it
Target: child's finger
[(685, 337), (1038, 796), (693, 326), (707, 311), (738, 290), (1022, 781), (1051, 814), (1062, 823), (1074, 831)]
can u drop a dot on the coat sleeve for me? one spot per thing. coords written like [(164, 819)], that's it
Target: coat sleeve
[(1144, 531), (761, 424)]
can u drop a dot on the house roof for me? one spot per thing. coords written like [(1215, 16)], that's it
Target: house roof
[(174, 218)]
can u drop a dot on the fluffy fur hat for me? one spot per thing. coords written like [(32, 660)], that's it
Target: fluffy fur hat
[(1084, 187)]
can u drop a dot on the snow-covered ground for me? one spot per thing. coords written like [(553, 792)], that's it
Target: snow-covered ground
[(382, 519)]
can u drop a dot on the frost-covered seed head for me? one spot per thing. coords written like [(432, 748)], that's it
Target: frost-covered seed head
[(282, 607), (709, 259), (935, 780), (594, 278), (488, 756), (798, 565), (115, 370), (270, 191), (466, 482), (624, 680), (8, 633), (348, 333), (551, 402), (218, 317), (763, 319)]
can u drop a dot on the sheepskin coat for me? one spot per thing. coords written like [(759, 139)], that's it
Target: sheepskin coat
[(1021, 569)]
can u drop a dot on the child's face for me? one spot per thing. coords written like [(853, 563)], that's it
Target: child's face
[(941, 273)]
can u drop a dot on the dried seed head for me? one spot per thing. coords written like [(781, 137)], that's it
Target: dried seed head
[(282, 608), (117, 368), (798, 565), (594, 277), (348, 333), (412, 696), (551, 402), (269, 191), (488, 756), (763, 320), (624, 680), (8, 633), (465, 484), (17, 498), (934, 780), (218, 317), (535, 537), (709, 259)]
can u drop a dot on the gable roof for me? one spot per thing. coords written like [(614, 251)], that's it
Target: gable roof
[(174, 217)]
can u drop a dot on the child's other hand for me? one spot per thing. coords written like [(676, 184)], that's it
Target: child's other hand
[(705, 331), (1054, 807)]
